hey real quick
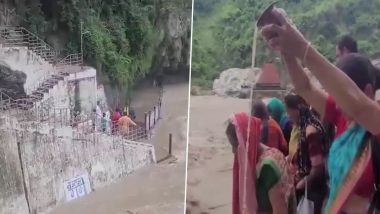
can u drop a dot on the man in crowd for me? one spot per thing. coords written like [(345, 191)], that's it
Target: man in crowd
[(347, 45)]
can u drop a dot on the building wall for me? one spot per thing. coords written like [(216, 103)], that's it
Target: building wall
[(12, 197), (48, 161), (87, 89)]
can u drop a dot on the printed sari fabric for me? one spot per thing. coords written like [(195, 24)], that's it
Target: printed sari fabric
[(307, 157), (352, 186), (254, 176), (272, 169), (293, 143), (348, 159)]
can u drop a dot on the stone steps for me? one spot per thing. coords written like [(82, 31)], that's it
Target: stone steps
[(44, 88)]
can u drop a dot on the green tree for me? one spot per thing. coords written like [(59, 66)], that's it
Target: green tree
[(232, 21)]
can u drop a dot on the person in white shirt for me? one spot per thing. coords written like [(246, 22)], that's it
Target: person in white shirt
[(99, 116)]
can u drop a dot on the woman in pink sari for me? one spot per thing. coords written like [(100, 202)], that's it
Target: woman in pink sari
[(261, 180)]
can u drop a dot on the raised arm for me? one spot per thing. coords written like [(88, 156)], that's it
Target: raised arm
[(303, 86), (132, 122), (345, 92), (347, 95)]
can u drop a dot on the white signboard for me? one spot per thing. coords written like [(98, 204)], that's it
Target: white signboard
[(77, 187)]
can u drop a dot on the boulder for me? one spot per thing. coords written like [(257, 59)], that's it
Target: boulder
[(235, 82), (12, 82)]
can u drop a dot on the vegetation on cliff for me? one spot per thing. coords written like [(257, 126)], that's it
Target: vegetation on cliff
[(223, 30), (121, 37)]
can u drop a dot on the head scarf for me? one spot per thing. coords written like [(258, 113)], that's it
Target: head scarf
[(260, 111), (277, 109), (307, 118), (244, 182)]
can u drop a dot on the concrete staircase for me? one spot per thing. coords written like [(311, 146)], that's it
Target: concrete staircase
[(21, 37), (11, 37), (27, 108)]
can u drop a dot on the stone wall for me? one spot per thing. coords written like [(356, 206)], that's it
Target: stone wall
[(12, 197), (48, 161)]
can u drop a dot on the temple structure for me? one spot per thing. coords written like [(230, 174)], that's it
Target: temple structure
[(268, 83)]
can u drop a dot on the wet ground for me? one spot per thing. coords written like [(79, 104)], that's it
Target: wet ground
[(209, 186)]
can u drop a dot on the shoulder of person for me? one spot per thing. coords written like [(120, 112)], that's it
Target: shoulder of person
[(269, 169)]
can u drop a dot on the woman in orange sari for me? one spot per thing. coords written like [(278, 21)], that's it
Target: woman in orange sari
[(261, 180), (271, 133)]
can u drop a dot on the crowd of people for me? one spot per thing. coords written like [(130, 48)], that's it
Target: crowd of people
[(315, 151), (116, 122)]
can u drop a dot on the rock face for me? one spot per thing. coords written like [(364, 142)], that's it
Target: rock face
[(235, 82), (174, 44), (6, 15), (12, 82)]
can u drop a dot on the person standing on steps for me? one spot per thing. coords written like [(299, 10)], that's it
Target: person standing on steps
[(94, 119), (124, 124), (104, 123), (99, 115), (126, 110), (109, 122), (120, 111), (115, 117)]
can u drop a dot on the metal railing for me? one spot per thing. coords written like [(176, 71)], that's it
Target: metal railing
[(32, 108), (153, 116), (6, 101), (71, 59), (16, 108), (21, 37), (86, 125), (82, 124)]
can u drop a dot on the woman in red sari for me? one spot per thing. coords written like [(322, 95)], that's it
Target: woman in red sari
[(261, 180), (115, 118)]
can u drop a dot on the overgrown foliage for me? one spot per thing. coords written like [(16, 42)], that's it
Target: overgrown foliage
[(120, 37), (223, 30)]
